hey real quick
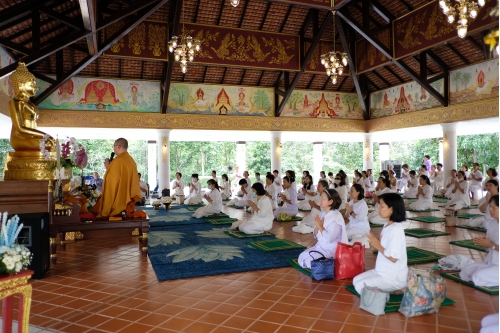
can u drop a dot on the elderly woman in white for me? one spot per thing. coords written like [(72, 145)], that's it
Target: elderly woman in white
[(262, 218), (214, 199), (307, 225), (384, 187), (424, 195)]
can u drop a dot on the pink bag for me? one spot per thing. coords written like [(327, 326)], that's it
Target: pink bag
[(349, 260)]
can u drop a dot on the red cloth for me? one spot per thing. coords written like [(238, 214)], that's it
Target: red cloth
[(87, 216)]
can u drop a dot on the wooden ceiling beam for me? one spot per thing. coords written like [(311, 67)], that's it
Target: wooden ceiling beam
[(196, 11), (120, 15), (73, 22), (260, 78), (311, 81), (393, 73), (283, 24), (21, 10), (204, 74), (242, 18), (89, 22), (221, 9), (173, 31), (14, 46), (458, 54), (382, 11), (317, 37), (243, 76), (350, 57), (437, 60), (326, 83), (265, 16), (342, 83), (388, 53), (367, 79), (141, 15), (407, 5), (223, 76), (381, 78)]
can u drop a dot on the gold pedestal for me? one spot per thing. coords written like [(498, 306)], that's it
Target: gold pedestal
[(30, 165)]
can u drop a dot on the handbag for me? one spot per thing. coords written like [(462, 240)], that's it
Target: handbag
[(373, 300), (321, 268), (349, 260), (425, 291)]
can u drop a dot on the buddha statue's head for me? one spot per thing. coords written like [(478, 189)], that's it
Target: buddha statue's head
[(23, 82)]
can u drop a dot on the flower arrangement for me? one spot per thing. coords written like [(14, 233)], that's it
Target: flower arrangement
[(92, 197), (165, 200), (156, 203), (70, 153), (13, 257)]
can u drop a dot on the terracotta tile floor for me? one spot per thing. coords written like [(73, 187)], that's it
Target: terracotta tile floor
[(104, 285)]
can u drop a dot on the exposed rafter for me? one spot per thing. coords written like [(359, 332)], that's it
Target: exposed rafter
[(269, 4), (458, 54), (385, 51), (89, 22), (285, 19), (342, 83), (242, 18), (311, 81), (381, 78)]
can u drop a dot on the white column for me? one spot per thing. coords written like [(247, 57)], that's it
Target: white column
[(449, 147), (163, 144), (151, 165), (317, 159), (368, 152), (276, 148), (383, 153), (441, 154), (241, 158)]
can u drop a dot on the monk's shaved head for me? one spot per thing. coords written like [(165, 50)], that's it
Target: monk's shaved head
[(122, 142)]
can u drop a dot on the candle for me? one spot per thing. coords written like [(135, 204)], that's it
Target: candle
[(58, 154)]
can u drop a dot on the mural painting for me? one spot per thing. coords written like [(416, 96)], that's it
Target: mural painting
[(322, 104), (479, 81), (222, 100), (404, 98), (5, 83), (95, 94)]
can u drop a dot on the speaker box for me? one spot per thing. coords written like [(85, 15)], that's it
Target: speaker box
[(35, 236)]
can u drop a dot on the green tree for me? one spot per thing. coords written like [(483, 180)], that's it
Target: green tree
[(483, 146), (4, 149), (351, 100), (180, 94), (261, 99), (347, 156), (258, 155), (412, 152), (294, 99), (297, 156), (465, 79)]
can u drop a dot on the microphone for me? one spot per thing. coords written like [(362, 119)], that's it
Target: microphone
[(112, 156)]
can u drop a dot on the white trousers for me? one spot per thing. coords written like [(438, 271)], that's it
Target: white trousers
[(489, 324), (372, 279), (303, 228), (481, 274), (237, 202), (194, 200), (354, 231), (205, 211)]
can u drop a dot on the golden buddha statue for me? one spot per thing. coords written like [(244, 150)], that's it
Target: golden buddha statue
[(27, 162)]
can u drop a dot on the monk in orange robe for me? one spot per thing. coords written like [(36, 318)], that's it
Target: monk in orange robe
[(121, 182)]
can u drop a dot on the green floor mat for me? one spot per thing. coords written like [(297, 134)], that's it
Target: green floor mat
[(471, 228), (395, 300), (427, 219), (222, 221), (193, 208), (416, 255), (236, 207), (217, 216), (239, 234), (468, 243), (469, 216), (456, 277), (296, 218), (275, 245), (466, 207), (295, 264), (423, 211), (424, 233), (304, 210), (376, 225), (439, 200)]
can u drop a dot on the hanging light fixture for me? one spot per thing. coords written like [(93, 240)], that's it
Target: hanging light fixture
[(184, 47), (235, 3), (334, 61), (465, 12)]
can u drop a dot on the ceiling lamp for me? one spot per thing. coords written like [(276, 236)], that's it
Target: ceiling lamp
[(465, 12), (235, 3), (334, 61), (184, 47)]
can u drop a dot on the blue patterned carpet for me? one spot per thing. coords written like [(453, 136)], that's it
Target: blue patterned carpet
[(186, 251), (177, 215)]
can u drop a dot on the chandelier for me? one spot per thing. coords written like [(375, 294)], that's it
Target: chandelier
[(184, 47), (465, 10), (235, 3), (334, 61)]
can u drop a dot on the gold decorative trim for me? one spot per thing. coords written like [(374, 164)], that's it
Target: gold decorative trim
[(460, 112), (99, 119), (144, 249), (14, 282), (53, 256), (52, 241), (145, 235)]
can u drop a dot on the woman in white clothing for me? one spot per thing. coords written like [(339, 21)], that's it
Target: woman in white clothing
[(369, 172), (391, 267), (424, 171), (342, 190), (289, 198), (322, 175), (291, 175), (366, 181), (214, 176), (476, 178), (484, 205), (300, 191), (358, 179), (357, 211), (277, 184), (346, 179), (393, 180), (307, 225), (331, 180), (225, 187), (450, 184), (383, 185), (194, 197), (460, 193), (412, 185), (492, 174), (465, 169), (271, 192), (246, 195), (214, 199), (257, 178), (262, 218), (424, 195), (486, 273), (178, 184), (309, 191), (405, 176), (329, 230)]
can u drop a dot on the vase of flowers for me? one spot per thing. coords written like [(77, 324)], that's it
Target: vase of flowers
[(166, 201), (156, 204), (69, 154), (13, 257)]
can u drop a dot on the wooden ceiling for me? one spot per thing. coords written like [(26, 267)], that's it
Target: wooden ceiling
[(61, 38)]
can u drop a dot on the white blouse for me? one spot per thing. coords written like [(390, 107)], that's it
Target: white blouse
[(393, 240)]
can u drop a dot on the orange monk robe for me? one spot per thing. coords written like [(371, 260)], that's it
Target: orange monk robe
[(120, 185)]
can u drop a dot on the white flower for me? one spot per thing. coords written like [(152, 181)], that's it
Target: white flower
[(72, 140), (19, 266)]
